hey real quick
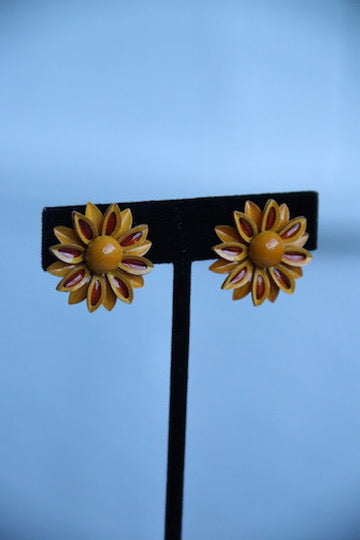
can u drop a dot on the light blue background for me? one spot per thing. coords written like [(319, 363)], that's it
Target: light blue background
[(109, 101)]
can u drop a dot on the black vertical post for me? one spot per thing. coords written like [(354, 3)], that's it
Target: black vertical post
[(178, 396)]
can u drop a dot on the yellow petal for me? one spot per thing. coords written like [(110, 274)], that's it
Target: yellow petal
[(245, 225), (227, 233), (133, 238), (284, 216), (271, 216), (93, 213), (126, 221), (139, 250), (112, 221), (222, 267), (231, 251), (59, 268), (121, 286), (239, 276), (241, 292), (283, 278), (65, 235), (295, 256), (293, 230), (74, 279), (85, 229), (96, 292), (295, 271), (300, 242), (109, 300), (260, 286), (274, 290), (135, 281), (252, 210), (135, 265), (68, 253), (79, 294)]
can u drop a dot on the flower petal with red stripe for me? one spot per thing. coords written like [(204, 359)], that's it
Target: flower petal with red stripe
[(239, 276), (135, 265), (245, 225), (84, 227), (295, 256), (293, 230), (112, 221), (134, 237), (96, 292), (68, 253), (120, 286), (283, 278), (271, 216), (260, 286), (231, 251), (74, 279)]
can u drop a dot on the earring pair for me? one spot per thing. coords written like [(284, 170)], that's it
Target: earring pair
[(101, 257)]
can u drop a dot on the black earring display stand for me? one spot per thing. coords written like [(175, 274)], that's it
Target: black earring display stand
[(182, 231)]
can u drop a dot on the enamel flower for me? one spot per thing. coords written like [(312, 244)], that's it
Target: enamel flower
[(263, 253), (100, 258)]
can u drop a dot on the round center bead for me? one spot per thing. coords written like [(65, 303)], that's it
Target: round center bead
[(266, 249), (103, 254)]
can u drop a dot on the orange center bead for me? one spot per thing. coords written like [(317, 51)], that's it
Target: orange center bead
[(266, 249), (103, 254)]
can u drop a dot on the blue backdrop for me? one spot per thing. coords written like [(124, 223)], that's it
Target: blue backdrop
[(109, 101)]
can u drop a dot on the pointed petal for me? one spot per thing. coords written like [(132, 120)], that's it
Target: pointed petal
[(271, 216), (79, 294), (241, 292), (295, 271), (135, 281), (260, 286), (136, 265), (139, 250), (222, 267), (112, 221), (93, 213), (231, 251), (300, 242), (85, 229), (96, 292), (239, 276), (59, 268), (126, 221), (284, 216), (133, 238), (274, 290), (121, 286), (283, 278), (293, 230), (109, 300), (227, 233), (252, 210), (245, 225), (74, 279), (295, 256), (65, 235), (68, 253)]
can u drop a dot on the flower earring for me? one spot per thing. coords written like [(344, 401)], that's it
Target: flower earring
[(100, 258), (263, 253)]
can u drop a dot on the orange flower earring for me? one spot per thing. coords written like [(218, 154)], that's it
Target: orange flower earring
[(100, 258), (263, 253)]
